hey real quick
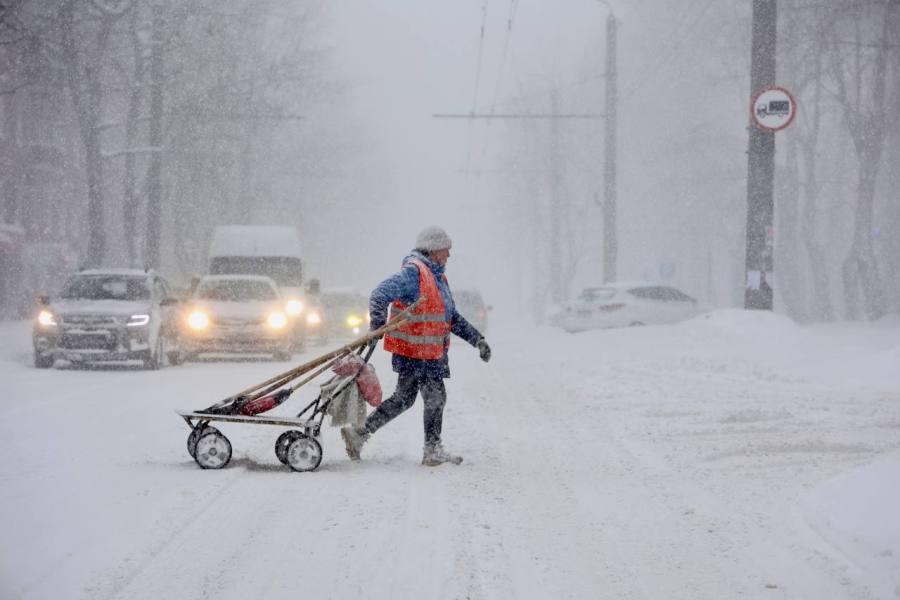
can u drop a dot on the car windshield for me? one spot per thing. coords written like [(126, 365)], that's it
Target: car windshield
[(662, 293), (236, 290), (596, 293), (285, 270), (106, 287)]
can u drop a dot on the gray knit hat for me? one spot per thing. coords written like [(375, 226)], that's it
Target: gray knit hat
[(433, 238)]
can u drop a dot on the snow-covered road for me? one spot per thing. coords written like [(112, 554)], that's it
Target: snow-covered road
[(735, 455)]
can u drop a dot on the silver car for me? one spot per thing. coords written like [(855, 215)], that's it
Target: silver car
[(108, 315)]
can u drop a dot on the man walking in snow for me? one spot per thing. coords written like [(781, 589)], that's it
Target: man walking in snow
[(419, 346)]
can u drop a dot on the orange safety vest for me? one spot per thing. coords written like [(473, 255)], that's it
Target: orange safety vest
[(426, 333)]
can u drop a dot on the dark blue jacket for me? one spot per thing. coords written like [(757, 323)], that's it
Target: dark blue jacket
[(404, 286)]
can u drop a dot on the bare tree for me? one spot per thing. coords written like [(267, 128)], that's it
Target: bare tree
[(85, 29), (859, 67)]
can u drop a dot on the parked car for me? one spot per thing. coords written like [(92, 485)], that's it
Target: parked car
[(345, 314), (470, 305), (626, 304), (236, 314), (108, 315)]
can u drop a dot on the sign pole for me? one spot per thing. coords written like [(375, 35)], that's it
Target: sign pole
[(758, 292)]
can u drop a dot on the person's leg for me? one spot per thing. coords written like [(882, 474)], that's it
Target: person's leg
[(403, 398), (434, 395)]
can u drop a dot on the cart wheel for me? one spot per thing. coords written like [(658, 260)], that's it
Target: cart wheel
[(281, 444), (304, 454), (194, 435), (213, 450)]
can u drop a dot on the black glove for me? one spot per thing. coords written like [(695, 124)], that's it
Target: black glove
[(484, 351)]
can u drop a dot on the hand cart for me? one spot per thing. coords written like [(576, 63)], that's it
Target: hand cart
[(298, 448)]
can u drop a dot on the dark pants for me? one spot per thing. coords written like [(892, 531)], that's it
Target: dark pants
[(408, 386)]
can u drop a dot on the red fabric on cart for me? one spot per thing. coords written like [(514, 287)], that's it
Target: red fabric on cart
[(366, 379), (369, 386)]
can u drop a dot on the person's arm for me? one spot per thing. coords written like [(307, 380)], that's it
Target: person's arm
[(402, 286), (462, 328)]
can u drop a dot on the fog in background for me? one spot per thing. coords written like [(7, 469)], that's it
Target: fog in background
[(320, 115)]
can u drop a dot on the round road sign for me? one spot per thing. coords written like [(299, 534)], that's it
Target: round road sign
[(773, 108)]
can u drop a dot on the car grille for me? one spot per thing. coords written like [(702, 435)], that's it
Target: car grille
[(87, 341), (232, 323), (91, 321)]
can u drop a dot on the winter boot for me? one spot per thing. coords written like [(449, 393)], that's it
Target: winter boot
[(434, 455), (353, 440)]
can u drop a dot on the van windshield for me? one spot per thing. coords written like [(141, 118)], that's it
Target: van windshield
[(285, 270)]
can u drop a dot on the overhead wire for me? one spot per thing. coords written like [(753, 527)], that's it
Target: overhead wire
[(513, 5), (484, 10)]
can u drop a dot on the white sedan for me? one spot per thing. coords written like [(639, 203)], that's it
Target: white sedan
[(626, 304)]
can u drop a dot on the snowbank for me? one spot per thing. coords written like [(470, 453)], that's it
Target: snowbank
[(857, 514)]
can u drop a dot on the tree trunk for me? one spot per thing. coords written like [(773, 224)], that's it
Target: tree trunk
[(154, 192), (9, 153), (791, 283), (131, 199), (87, 96), (862, 281), (815, 253), (821, 286), (860, 266)]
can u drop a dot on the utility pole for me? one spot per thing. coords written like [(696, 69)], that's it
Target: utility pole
[(554, 279), (557, 294), (758, 293), (610, 242)]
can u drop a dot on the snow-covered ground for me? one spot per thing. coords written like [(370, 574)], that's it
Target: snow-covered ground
[(737, 455)]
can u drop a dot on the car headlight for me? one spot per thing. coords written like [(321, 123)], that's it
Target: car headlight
[(293, 307), (277, 320), (313, 318), (354, 321), (198, 320), (137, 320), (46, 319)]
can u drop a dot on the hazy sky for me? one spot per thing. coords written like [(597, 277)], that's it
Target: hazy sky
[(407, 59)]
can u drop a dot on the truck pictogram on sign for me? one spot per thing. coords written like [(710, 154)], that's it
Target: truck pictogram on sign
[(773, 109)]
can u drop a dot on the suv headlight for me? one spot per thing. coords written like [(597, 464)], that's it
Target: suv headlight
[(138, 320), (313, 318), (354, 321), (46, 319), (198, 320), (277, 320)]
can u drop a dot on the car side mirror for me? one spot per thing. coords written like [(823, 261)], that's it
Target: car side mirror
[(169, 302), (42, 300)]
